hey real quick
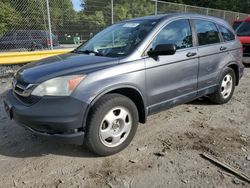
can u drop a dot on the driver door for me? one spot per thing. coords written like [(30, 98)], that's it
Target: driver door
[(172, 79)]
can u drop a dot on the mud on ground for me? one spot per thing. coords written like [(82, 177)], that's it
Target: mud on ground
[(165, 152)]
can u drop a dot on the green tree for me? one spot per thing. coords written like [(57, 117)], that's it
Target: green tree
[(62, 13), (8, 17), (230, 5), (32, 13), (125, 10)]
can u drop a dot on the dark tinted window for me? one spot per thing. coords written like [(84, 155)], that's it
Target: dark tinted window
[(236, 25), (177, 32), (226, 33), (207, 32), (8, 36), (37, 34), (243, 29), (22, 36)]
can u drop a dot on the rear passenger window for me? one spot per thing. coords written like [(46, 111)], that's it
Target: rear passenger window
[(22, 36), (37, 35), (177, 32), (8, 36), (207, 32), (226, 33)]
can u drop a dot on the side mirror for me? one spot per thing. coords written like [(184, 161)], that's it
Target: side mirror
[(163, 49)]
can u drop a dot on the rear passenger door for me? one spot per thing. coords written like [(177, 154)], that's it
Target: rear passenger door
[(211, 53), (233, 46), (23, 39)]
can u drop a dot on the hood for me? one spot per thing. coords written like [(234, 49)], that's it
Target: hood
[(244, 39), (65, 64)]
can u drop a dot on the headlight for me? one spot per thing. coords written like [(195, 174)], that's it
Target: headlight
[(60, 86)]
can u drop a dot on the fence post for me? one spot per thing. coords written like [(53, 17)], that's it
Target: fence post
[(49, 23), (207, 11), (112, 11), (185, 9), (156, 8)]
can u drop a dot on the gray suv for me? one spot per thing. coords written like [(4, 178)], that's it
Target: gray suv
[(99, 92)]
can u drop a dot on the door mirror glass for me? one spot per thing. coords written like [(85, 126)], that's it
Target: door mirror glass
[(163, 49)]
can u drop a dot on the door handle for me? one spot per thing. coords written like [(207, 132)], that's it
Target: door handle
[(222, 48), (191, 54)]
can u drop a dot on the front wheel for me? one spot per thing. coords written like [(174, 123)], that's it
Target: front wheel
[(226, 87), (112, 124)]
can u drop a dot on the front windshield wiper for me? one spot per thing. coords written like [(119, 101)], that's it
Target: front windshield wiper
[(87, 52)]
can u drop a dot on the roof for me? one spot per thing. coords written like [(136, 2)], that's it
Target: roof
[(242, 20), (247, 19), (176, 15)]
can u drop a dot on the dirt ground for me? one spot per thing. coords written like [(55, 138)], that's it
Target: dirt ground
[(164, 153)]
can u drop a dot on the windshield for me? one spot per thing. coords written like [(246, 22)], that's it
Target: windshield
[(243, 29), (119, 39)]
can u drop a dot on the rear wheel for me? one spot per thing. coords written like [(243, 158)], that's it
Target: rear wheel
[(226, 87), (112, 124)]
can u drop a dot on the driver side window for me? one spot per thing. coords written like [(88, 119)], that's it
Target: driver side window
[(177, 32)]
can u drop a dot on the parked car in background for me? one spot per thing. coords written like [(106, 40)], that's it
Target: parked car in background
[(100, 91), (237, 23), (27, 39), (243, 32)]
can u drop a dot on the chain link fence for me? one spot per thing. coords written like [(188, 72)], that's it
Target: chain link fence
[(229, 16), (28, 25)]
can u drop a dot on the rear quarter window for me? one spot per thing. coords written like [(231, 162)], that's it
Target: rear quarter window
[(207, 32), (8, 36), (226, 33), (37, 35)]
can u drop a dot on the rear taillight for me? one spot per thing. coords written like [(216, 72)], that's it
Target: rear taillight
[(47, 42)]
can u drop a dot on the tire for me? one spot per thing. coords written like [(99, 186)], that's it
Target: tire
[(112, 124), (225, 89)]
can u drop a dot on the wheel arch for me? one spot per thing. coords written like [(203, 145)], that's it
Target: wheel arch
[(235, 67), (127, 90)]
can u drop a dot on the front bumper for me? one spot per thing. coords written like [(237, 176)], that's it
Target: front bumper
[(246, 59), (60, 118), (241, 70)]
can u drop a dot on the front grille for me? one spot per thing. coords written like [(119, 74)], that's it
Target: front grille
[(22, 91), (20, 88), (28, 100), (246, 50)]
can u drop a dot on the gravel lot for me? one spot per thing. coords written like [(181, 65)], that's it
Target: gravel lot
[(165, 152)]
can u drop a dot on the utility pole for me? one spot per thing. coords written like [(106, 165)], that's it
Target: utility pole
[(50, 32), (156, 7), (112, 11)]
